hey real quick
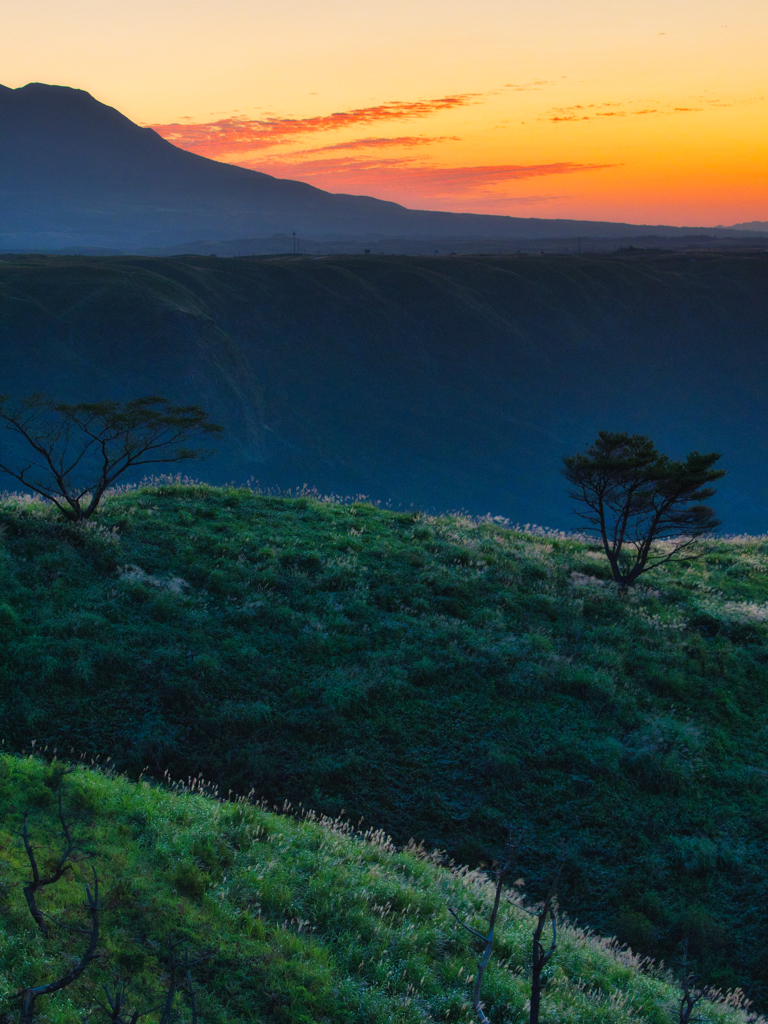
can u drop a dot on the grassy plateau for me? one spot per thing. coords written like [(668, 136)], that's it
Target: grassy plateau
[(438, 677)]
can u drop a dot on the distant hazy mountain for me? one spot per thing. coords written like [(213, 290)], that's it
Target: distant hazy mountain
[(753, 225), (74, 173)]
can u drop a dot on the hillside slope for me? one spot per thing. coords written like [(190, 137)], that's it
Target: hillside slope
[(299, 921), (444, 383), (439, 677)]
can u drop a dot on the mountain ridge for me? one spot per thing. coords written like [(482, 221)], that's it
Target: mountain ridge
[(75, 171), (752, 225)]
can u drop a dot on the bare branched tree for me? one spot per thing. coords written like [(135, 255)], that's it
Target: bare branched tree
[(545, 912), (29, 996), (690, 993), (71, 454), (632, 496), (116, 1008), (541, 957), (39, 881), (180, 966), (502, 873)]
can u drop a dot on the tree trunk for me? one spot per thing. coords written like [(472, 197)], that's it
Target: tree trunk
[(535, 1000)]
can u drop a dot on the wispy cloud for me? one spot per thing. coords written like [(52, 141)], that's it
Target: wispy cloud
[(586, 112), (393, 176), (377, 164), (234, 135), (535, 86), (384, 143)]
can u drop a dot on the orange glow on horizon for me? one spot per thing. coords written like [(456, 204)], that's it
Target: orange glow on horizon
[(661, 169), (648, 111)]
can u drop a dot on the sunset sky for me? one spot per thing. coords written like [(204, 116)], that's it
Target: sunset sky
[(647, 111)]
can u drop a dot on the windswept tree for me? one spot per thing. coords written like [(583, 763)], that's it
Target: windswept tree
[(632, 497), (71, 454)]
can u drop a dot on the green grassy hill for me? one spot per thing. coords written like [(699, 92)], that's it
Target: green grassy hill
[(302, 920), (437, 676)]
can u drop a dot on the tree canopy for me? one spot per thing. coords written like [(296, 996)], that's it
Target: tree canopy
[(71, 454), (632, 496)]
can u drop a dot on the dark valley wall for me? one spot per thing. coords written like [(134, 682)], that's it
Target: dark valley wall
[(443, 382)]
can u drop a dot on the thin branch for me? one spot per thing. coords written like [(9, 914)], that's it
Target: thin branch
[(191, 989), (472, 931), (37, 881), (29, 996)]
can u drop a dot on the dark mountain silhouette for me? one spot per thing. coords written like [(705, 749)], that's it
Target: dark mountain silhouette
[(75, 172), (456, 382), (761, 226)]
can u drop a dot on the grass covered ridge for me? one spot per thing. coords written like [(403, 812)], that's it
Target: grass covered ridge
[(438, 676), (305, 922)]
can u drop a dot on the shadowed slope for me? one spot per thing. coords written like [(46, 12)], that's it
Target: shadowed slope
[(442, 382)]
